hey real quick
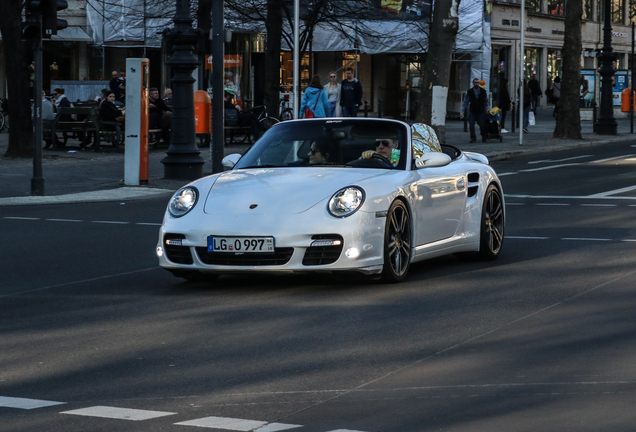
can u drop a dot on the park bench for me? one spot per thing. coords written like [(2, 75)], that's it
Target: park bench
[(72, 122)]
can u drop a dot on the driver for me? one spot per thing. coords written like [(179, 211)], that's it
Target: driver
[(383, 147)]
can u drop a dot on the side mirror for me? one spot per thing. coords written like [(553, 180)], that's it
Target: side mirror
[(229, 161), (433, 159)]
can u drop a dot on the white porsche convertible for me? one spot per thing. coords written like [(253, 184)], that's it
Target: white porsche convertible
[(335, 195)]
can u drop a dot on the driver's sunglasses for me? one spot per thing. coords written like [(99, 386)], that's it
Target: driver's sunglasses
[(313, 151), (332, 76), (385, 143)]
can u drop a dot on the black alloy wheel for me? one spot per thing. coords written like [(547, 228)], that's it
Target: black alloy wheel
[(397, 243), (492, 224)]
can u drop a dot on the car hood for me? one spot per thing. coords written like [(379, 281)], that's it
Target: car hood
[(279, 190)]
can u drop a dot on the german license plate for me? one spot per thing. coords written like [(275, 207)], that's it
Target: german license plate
[(241, 244)]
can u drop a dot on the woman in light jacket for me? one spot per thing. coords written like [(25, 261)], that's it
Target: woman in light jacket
[(315, 99), (333, 94)]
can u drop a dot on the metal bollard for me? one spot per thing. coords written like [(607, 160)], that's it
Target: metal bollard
[(366, 108), (380, 108)]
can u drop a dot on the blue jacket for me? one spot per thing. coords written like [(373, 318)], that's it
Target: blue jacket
[(310, 97)]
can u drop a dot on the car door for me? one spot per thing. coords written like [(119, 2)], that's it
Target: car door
[(440, 197)]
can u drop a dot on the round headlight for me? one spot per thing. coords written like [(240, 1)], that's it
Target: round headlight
[(183, 201), (346, 201)]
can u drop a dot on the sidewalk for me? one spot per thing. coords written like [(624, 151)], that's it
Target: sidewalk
[(73, 175)]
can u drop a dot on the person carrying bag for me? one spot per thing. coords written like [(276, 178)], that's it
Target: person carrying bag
[(320, 104)]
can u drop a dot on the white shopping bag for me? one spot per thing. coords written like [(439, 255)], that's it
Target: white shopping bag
[(531, 119)]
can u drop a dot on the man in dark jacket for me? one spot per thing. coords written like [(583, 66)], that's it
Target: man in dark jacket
[(535, 92), (159, 114), (476, 101), (350, 94)]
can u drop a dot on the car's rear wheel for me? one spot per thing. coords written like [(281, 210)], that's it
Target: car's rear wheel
[(397, 243), (492, 224)]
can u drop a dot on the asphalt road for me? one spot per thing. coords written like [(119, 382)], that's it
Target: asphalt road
[(95, 337)]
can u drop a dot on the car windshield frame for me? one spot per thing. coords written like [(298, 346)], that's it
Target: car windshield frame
[(290, 144)]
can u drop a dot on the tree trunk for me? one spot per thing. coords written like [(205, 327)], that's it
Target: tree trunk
[(431, 108), (274, 25), (568, 122), (16, 59)]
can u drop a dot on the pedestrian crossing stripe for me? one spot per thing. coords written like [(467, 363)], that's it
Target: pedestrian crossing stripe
[(118, 413), (24, 403), (234, 424)]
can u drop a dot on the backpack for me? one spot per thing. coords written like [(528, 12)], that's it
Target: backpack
[(231, 117)]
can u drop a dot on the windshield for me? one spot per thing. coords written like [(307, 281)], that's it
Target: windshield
[(318, 143)]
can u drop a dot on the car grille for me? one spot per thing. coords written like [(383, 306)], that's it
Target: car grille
[(281, 256), (177, 254), (322, 255)]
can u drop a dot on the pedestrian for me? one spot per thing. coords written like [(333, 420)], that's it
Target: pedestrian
[(167, 97), (535, 92), (556, 94), (350, 94), (115, 85), (527, 105), (333, 89), (504, 103), (243, 118), (476, 102), (159, 114), (315, 98)]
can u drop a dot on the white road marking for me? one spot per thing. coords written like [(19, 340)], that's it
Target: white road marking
[(585, 239), (598, 205), (612, 192), (527, 238), (612, 158), (148, 223), (568, 197), (568, 164), (517, 204), (629, 240), (20, 218), (345, 430), (65, 220), (118, 413), (24, 403), (506, 174), (550, 167), (559, 160), (237, 424), (552, 204), (111, 222)]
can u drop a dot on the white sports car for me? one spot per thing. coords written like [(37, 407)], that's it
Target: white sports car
[(332, 195)]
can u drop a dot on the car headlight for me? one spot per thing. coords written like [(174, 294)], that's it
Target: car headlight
[(183, 201), (346, 201)]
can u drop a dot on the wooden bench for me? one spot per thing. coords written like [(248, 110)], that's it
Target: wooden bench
[(231, 131), (110, 131), (77, 127)]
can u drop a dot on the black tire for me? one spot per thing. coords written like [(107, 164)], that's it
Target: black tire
[(491, 234), (397, 243), (287, 114), (268, 122)]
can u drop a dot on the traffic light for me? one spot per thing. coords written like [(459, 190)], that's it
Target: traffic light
[(31, 26), (50, 23)]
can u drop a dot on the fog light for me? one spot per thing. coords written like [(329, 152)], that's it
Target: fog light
[(326, 243), (352, 253), (159, 251)]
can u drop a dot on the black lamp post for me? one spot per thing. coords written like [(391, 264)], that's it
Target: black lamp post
[(606, 123), (183, 161)]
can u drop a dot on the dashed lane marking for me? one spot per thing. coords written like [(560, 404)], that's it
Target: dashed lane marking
[(585, 239), (552, 204), (64, 220), (559, 160), (527, 238), (238, 424), (20, 218), (118, 413), (27, 404), (112, 222)]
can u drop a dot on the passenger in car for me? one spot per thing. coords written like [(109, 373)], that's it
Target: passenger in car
[(321, 152)]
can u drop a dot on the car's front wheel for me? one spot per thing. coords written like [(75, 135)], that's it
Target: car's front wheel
[(492, 224), (397, 243)]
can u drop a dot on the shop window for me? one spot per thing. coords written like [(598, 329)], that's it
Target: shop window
[(555, 7), (617, 11), (287, 72), (587, 9), (534, 5), (554, 64)]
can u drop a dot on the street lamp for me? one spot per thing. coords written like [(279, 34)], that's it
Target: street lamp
[(606, 123), (183, 161)]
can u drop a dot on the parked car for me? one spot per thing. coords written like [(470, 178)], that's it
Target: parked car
[(335, 195)]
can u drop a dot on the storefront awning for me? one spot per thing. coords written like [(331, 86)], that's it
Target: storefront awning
[(72, 34)]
